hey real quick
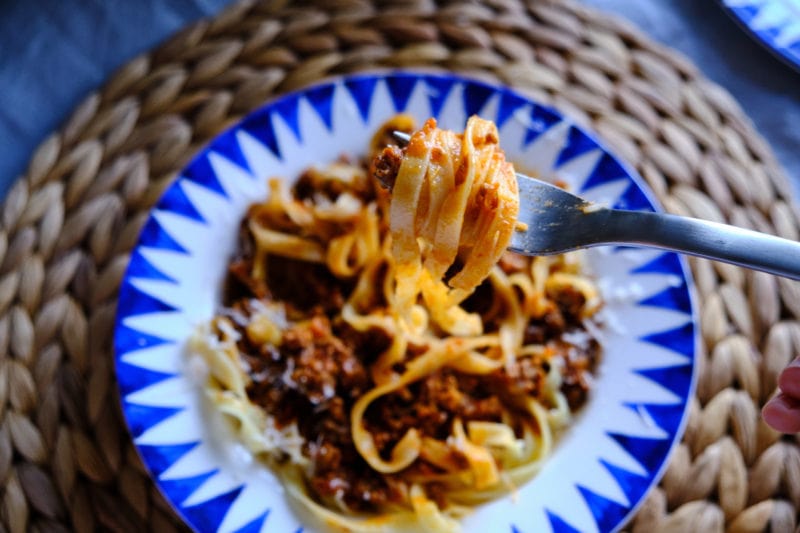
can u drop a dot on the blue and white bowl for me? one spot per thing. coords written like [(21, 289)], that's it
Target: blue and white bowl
[(601, 468), (776, 23)]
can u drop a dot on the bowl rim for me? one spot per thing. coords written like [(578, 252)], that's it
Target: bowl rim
[(421, 73)]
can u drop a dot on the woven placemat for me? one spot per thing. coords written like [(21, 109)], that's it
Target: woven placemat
[(66, 461)]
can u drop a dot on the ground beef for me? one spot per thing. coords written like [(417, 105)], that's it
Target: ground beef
[(432, 404), (386, 165), (523, 378), (578, 367), (307, 287), (321, 363), (368, 345), (311, 364), (570, 302), (319, 371), (340, 472), (240, 283), (320, 368), (312, 379)]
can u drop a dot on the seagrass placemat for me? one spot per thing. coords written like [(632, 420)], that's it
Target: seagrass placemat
[(66, 460)]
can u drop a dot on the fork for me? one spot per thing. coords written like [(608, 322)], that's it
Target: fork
[(558, 221)]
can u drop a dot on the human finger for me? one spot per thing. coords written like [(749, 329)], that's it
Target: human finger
[(789, 379), (782, 413)]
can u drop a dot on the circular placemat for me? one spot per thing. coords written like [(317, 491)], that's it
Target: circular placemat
[(66, 461)]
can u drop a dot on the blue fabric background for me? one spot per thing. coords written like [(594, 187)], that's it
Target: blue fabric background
[(54, 52)]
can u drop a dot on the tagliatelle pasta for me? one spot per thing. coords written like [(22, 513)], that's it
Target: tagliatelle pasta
[(451, 192), (382, 352)]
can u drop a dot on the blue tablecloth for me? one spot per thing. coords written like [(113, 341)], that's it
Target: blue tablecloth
[(54, 52)]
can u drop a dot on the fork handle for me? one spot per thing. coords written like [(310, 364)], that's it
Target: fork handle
[(720, 242)]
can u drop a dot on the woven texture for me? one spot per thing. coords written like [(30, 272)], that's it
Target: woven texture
[(66, 460)]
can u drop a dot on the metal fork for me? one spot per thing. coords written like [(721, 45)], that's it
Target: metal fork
[(558, 221)]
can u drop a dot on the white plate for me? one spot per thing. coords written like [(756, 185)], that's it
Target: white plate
[(776, 23), (600, 470)]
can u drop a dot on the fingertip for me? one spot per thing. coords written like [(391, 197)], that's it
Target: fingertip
[(789, 380), (782, 413)]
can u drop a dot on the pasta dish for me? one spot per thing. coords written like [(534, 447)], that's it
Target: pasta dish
[(380, 350)]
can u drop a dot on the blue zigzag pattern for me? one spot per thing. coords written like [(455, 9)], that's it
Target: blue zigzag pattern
[(770, 37), (207, 516)]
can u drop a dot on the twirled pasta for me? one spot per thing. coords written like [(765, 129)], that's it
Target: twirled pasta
[(382, 352), (452, 193)]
